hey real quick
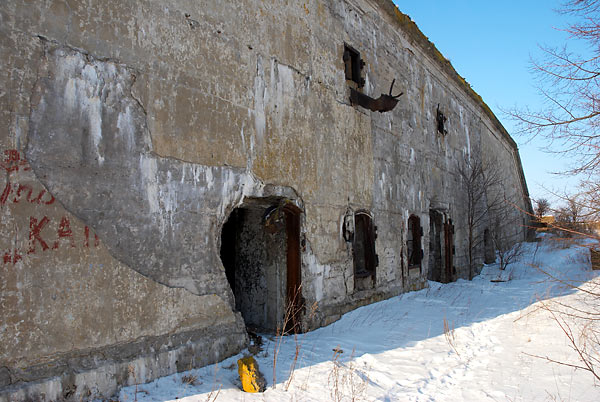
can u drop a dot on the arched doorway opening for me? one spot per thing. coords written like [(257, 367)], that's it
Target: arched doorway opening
[(363, 251), (260, 250)]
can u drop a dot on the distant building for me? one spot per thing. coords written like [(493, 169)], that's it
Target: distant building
[(546, 221)]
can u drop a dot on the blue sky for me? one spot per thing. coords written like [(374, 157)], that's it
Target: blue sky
[(490, 44)]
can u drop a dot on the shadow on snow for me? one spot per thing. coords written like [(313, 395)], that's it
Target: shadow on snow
[(396, 323)]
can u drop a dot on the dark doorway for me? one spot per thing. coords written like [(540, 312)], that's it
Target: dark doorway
[(435, 246), (363, 251), (413, 242), (449, 251), (441, 248), (260, 250)]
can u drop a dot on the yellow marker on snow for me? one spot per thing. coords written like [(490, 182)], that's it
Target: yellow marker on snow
[(252, 379)]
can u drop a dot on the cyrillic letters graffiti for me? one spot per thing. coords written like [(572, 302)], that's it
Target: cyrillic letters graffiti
[(44, 233)]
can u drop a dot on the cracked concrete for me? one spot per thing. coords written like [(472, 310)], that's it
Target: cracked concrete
[(154, 213)]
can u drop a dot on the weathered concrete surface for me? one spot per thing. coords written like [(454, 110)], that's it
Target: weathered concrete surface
[(145, 123), (91, 374), (158, 215)]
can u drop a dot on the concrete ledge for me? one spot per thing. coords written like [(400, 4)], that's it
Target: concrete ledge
[(100, 373)]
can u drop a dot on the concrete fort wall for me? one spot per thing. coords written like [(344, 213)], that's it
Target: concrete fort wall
[(133, 132)]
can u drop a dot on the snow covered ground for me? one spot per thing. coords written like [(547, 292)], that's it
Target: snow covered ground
[(398, 350)]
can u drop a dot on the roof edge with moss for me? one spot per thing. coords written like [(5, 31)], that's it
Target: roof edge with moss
[(414, 34)]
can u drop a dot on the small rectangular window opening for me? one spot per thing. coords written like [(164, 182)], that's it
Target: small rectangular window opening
[(441, 121), (353, 66)]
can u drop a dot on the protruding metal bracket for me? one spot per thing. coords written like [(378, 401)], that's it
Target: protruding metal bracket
[(384, 103)]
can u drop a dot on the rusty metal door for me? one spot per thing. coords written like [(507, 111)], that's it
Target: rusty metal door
[(295, 301), (449, 250), (363, 248)]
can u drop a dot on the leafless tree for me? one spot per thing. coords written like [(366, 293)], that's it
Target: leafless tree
[(569, 120), (570, 213), (577, 217), (481, 182), (569, 84), (589, 198), (542, 207), (508, 249)]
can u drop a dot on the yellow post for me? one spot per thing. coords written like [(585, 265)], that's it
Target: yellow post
[(252, 379)]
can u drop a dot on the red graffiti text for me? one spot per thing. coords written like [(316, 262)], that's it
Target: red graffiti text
[(43, 238)]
